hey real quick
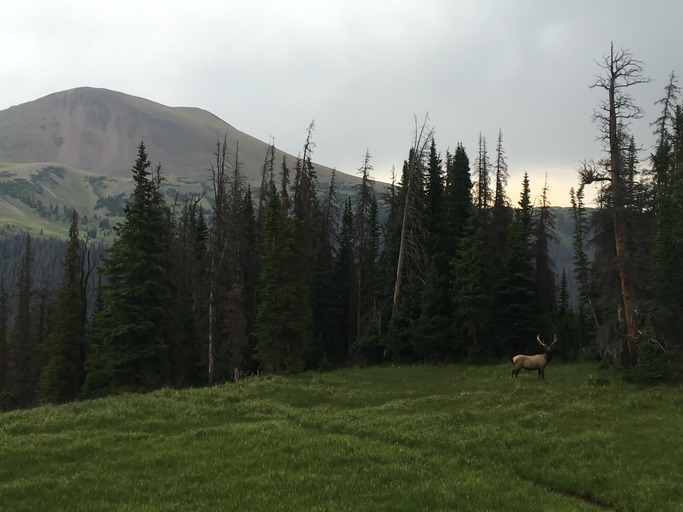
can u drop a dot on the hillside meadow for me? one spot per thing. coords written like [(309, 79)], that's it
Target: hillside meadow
[(386, 438)]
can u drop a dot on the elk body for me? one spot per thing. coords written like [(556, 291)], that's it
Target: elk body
[(536, 362)]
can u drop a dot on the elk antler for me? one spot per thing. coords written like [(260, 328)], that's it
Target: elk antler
[(554, 341), (538, 338)]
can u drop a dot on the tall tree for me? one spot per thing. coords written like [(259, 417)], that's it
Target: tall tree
[(278, 321), (219, 275), (3, 339), (667, 283), (364, 234), (129, 352), (482, 184), (469, 291), (457, 196), (411, 251), (64, 372), (501, 213), (20, 384), (284, 320), (620, 72), (543, 231)]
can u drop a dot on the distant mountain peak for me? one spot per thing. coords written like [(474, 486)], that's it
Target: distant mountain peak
[(98, 130)]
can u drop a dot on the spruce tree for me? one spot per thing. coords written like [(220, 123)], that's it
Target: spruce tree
[(278, 321), (3, 339), (517, 317), (325, 291), (365, 243), (470, 294), (20, 384), (543, 225), (129, 352), (64, 372)]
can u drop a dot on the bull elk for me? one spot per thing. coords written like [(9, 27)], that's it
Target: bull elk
[(536, 362)]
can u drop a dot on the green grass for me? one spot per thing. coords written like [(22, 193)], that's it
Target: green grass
[(410, 438)]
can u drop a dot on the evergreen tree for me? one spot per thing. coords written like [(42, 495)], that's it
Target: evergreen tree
[(291, 245), (129, 347), (434, 190), (543, 225), (278, 321), (325, 290), (470, 294), (457, 196), (482, 185), (3, 341), (346, 270), (411, 257), (20, 384), (501, 218), (517, 317), (180, 332), (567, 327), (364, 236), (668, 246), (64, 372)]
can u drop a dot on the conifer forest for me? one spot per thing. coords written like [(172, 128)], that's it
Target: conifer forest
[(440, 267)]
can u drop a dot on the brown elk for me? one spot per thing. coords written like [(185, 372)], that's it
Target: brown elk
[(536, 362)]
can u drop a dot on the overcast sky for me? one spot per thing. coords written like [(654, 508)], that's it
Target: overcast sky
[(361, 70)]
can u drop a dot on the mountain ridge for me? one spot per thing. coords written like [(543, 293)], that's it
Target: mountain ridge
[(75, 149), (98, 130)]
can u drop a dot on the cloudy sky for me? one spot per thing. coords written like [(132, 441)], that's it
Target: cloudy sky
[(361, 70)]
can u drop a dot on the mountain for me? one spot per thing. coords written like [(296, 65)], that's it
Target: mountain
[(75, 149), (98, 130)]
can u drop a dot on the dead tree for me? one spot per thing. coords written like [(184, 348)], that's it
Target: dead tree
[(620, 72)]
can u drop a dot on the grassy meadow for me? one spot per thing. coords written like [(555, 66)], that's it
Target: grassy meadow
[(387, 438)]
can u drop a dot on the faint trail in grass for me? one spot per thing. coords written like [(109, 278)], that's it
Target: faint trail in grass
[(586, 498)]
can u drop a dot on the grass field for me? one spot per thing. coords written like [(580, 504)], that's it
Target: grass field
[(391, 438)]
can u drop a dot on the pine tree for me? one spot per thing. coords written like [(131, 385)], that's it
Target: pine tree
[(180, 330), (64, 372), (410, 263), (483, 180), (364, 240), (470, 294), (20, 385), (346, 270), (517, 317), (3, 340), (668, 247), (457, 196), (501, 217), (129, 348), (543, 225), (278, 321), (325, 290)]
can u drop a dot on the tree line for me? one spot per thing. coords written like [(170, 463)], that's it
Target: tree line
[(438, 267)]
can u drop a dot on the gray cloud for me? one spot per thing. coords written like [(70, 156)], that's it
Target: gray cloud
[(361, 70)]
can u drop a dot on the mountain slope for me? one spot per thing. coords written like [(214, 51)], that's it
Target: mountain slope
[(98, 130), (75, 149)]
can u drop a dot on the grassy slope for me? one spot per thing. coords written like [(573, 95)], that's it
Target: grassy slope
[(81, 190), (418, 438)]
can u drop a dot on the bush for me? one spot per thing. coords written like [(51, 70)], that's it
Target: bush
[(657, 364)]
